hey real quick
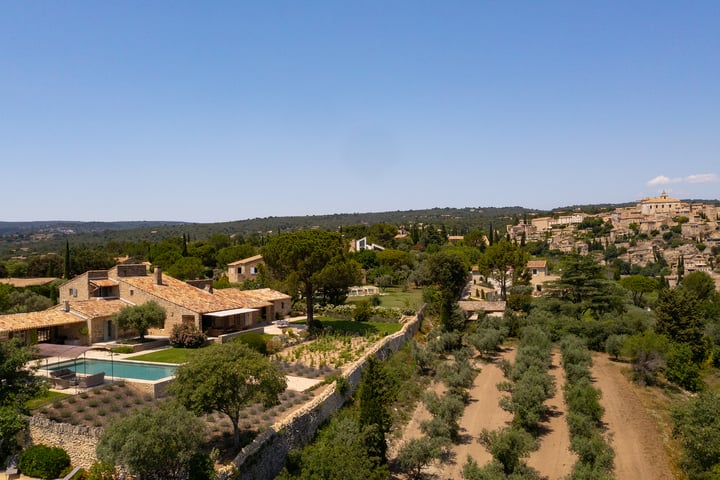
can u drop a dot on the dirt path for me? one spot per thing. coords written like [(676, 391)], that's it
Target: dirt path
[(554, 459), (639, 451), (483, 411)]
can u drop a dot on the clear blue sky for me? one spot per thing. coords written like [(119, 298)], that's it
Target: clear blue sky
[(218, 111)]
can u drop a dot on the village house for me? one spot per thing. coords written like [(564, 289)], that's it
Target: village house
[(245, 269)]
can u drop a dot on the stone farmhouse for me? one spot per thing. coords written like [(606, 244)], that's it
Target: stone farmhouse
[(245, 269), (88, 302)]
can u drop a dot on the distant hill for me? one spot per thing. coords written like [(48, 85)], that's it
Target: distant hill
[(71, 228), (50, 236)]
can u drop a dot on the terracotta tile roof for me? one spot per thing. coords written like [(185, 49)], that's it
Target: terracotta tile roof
[(104, 283), (537, 264), (473, 306), (180, 293), (96, 308), (254, 258), (252, 298), (47, 318), (26, 282)]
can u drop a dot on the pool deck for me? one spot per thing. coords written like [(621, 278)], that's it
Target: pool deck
[(59, 353)]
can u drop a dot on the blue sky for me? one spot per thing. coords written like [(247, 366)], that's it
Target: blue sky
[(220, 111)]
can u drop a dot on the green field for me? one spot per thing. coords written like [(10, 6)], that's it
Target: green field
[(362, 328), (395, 297)]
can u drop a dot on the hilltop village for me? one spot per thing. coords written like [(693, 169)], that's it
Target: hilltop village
[(682, 233)]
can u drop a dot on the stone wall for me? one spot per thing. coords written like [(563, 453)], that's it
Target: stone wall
[(78, 441), (267, 454)]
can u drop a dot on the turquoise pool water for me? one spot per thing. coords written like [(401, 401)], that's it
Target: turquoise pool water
[(118, 368)]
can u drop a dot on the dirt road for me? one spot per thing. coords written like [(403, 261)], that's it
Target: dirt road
[(639, 451), (483, 411), (554, 459)]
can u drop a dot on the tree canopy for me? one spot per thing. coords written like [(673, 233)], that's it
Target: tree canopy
[(298, 258), (639, 285), (17, 385), (449, 274), (155, 443), (501, 260), (141, 317), (227, 378), (583, 284)]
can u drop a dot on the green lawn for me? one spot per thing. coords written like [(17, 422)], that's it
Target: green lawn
[(170, 355), (363, 328), (395, 297), (47, 398)]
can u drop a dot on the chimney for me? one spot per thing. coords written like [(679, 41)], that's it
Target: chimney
[(66, 306), (158, 276)]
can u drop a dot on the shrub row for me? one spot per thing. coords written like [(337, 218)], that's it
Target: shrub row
[(587, 439), (348, 311), (530, 383)]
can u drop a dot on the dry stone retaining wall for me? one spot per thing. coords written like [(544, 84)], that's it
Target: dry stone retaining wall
[(265, 457), (78, 441)]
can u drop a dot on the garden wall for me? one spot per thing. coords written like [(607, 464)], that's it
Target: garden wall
[(78, 441), (266, 455)]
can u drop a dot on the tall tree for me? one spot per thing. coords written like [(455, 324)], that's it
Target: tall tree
[(449, 274), (584, 285), (227, 378), (298, 258), (678, 318), (374, 416), (501, 260), (66, 273), (639, 285)]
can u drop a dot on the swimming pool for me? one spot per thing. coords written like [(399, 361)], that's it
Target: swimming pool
[(117, 368)]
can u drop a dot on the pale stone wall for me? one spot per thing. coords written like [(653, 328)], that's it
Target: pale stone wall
[(78, 441), (80, 284), (174, 313), (267, 454)]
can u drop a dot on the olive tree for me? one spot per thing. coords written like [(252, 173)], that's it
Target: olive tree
[(153, 442), (227, 378), (141, 317)]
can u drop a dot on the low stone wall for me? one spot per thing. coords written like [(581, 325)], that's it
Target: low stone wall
[(78, 441), (267, 454)]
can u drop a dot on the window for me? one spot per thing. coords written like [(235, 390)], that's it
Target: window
[(132, 292), (43, 335), (253, 270)]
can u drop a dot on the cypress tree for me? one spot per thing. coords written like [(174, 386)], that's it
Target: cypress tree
[(67, 260), (374, 416)]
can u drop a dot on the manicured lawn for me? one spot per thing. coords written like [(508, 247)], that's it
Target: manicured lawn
[(363, 328), (395, 297), (169, 355)]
